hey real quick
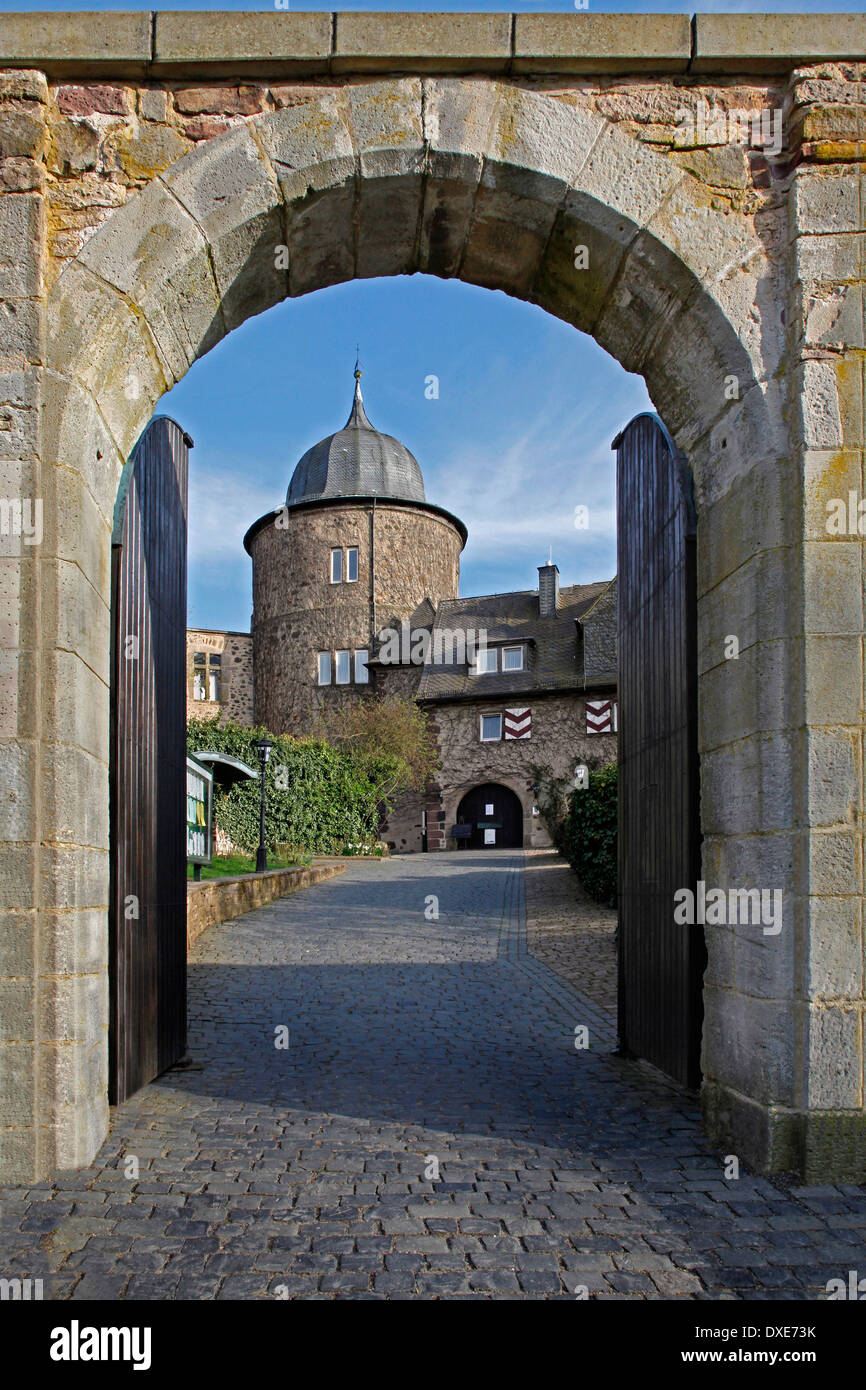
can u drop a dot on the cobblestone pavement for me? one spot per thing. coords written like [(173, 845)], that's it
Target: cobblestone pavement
[(300, 1172), (568, 931)]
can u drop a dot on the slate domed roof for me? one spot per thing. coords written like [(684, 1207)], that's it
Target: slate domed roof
[(357, 461)]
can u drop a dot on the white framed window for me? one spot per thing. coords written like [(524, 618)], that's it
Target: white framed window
[(324, 668), (336, 566), (512, 658), (352, 564), (206, 677), (485, 662), (344, 668), (362, 675), (491, 728)]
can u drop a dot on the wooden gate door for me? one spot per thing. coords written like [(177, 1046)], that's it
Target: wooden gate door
[(661, 963), (492, 807), (147, 904)]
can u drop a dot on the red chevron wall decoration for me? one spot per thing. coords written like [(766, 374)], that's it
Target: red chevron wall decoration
[(518, 723), (600, 717)]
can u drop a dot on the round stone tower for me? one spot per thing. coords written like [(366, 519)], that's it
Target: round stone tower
[(356, 547)]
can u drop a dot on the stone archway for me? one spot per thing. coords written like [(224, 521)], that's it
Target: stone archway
[(452, 798), (506, 188)]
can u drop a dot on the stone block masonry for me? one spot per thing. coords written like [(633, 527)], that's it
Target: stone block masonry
[(149, 167), (234, 673)]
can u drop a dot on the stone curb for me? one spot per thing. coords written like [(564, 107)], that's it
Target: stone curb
[(175, 44), (215, 900)]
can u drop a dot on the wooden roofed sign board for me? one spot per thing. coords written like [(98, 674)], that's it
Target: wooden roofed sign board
[(199, 812)]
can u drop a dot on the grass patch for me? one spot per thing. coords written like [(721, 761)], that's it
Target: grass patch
[(230, 865)]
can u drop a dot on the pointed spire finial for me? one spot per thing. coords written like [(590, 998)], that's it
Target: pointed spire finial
[(358, 415)]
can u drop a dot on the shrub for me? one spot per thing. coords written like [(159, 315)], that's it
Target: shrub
[(590, 834), (390, 737), (318, 797)]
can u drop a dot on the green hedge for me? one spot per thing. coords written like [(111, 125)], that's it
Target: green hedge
[(328, 798), (590, 834)]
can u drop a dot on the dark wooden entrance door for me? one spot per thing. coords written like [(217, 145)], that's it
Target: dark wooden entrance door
[(495, 809), (661, 963), (147, 904)]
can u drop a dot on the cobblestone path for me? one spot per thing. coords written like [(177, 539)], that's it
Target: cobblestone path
[(567, 930), (306, 1172)]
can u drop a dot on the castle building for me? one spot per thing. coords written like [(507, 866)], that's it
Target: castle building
[(356, 593)]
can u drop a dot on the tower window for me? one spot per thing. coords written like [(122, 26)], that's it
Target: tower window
[(324, 668), (491, 728), (362, 675), (336, 566), (352, 564), (512, 658), (344, 670)]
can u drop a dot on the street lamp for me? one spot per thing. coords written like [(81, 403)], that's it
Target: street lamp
[(263, 748)]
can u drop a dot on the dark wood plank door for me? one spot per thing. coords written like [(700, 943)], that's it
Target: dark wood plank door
[(492, 807), (147, 904), (661, 964)]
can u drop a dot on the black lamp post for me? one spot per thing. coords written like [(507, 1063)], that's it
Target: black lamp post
[(263, 747)]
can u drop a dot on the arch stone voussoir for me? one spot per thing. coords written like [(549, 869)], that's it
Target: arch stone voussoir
[(99, 339), (311, 150), (457, 120), (231, 192), (387, 125), (153, 252)]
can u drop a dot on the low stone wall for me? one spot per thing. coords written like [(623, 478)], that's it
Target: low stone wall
[(215, 900)]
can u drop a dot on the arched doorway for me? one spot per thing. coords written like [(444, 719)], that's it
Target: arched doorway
[(496, 817)]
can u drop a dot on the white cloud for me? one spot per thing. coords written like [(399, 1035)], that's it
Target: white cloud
[(223, 504)]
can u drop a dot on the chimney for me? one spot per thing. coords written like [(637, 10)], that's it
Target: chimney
[(548, 590)]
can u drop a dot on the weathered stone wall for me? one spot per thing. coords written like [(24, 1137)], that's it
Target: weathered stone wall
[(215, 900), (150, 166), (236, 675), (558, 743), (298, 612), (403, 829)]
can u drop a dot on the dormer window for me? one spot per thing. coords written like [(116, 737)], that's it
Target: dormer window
[(486, 663), (512, 658)]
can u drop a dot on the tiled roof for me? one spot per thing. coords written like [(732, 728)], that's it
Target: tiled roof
[(356, 461), (552, 646)]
